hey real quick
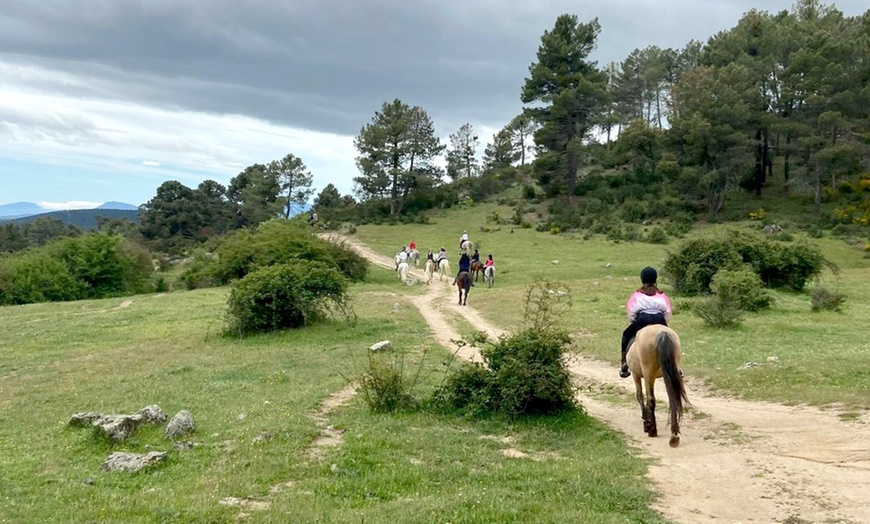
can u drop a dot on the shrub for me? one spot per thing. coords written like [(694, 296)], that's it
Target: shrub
[(718, 313), (522, 374), (96, 265), (107, 265), (779, 265), (822, 299), (35, 276), (385, 386), (742, 287), (285, 296), (657, 235), (274, 242)]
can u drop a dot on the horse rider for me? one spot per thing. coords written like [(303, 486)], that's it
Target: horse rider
[(475, 257), (412, 246), (403, 256), (464, 265), (441, 255), (647, 306), (463, 238), (489, 262)]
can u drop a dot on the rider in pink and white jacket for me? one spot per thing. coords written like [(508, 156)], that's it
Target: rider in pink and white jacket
[(646, 306)]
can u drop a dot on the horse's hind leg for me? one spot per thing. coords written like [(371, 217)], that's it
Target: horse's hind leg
[(675, 428), (651, 401), (644, 413)]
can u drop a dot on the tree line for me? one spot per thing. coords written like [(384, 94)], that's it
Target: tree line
[(785, 94)]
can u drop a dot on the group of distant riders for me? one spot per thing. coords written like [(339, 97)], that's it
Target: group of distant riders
[(465, 260)]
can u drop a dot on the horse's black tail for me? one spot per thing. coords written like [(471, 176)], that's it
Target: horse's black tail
[(671, 374)]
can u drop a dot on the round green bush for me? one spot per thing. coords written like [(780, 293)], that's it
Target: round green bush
[(717, 313), (742, 287), (274, 242), (524, 374), (285, 296)]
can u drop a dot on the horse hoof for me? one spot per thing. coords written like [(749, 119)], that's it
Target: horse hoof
[(675, 441), (653, 433)]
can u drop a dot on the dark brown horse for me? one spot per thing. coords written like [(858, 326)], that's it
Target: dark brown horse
[(656, 353), (463, 282), (476, 269)]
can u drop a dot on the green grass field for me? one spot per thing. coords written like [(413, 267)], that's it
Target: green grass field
[(821, 358), (254, 401)]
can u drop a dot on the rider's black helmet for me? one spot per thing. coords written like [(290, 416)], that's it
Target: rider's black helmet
[(648, 275)]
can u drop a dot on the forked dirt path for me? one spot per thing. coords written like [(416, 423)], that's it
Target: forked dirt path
[(738, 461)]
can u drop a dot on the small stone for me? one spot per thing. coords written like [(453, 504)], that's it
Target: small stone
[(84, 420), (180, 424), (773, 358), (131, 462), (153, 414), (242, 416), (118, 427), (607, 264), (556, 262), (383, 345), (89, 481), (333, 468)]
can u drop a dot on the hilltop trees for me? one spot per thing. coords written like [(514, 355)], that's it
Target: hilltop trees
[(571, 91), (461, 157), (396, 151), (294, 179)]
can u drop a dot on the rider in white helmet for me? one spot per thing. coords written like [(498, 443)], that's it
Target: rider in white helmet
[(463, 238)]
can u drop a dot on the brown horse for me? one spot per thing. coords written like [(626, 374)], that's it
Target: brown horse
[(476, 269), (655, 353), (463, 282)]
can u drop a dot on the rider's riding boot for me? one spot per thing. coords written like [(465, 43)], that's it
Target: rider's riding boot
[(623, 369)]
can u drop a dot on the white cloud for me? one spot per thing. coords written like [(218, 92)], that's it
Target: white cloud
[(75, 204), (111, 136)]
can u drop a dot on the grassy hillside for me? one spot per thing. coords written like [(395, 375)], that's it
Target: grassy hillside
[(255, 402), (821, 358)]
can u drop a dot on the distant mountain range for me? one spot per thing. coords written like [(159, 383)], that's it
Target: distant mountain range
[(24, 212), (26, 209)]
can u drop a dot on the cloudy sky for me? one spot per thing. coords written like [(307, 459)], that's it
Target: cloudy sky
[(106, 99)]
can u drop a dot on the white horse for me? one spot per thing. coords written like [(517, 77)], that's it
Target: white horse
[(403, 271), (489, 276), (429, 270), (467, 246), (415, 256), (443, 269)]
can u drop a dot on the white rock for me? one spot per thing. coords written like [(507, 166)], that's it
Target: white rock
[(383, 345)]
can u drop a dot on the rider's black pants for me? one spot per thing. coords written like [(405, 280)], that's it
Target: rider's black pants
[(643, 320)]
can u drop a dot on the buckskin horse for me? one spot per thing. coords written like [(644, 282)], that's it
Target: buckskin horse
[(655, 353)]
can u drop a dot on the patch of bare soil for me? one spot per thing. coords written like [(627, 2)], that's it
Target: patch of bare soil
[(330, 436), (738, 461)]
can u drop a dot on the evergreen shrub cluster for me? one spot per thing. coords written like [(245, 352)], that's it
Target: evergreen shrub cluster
[(273, 243), (779, 265), (96, 265)]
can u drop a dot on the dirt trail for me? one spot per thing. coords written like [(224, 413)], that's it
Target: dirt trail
[(738, 461)]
